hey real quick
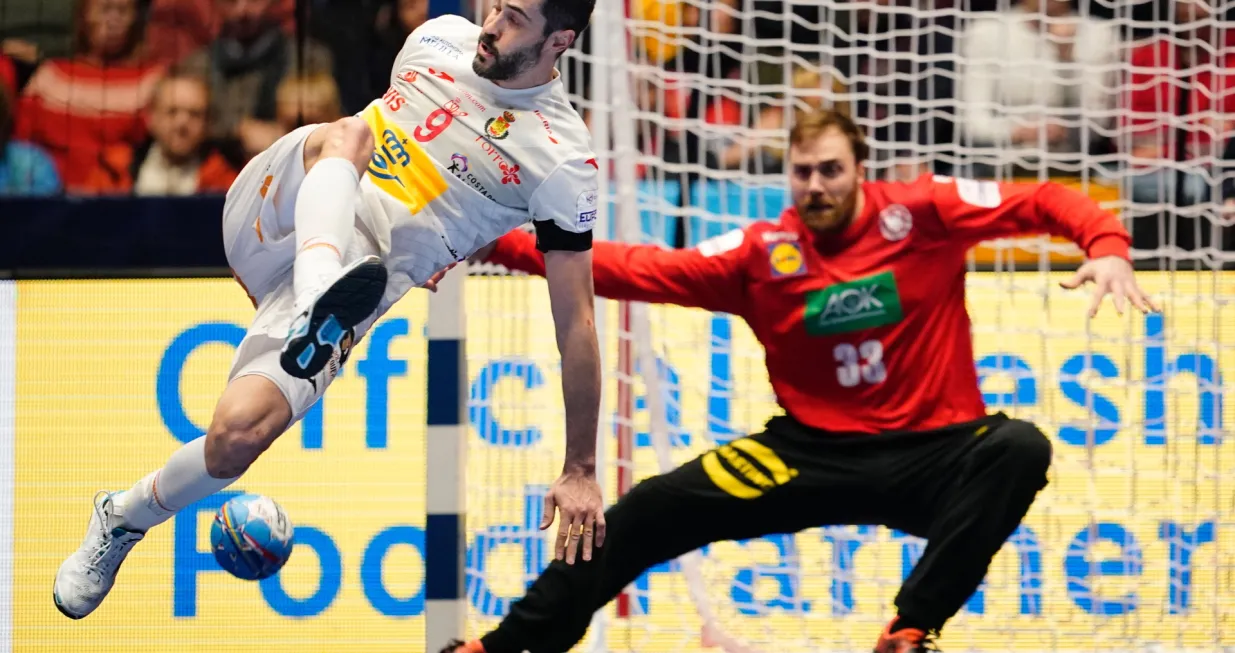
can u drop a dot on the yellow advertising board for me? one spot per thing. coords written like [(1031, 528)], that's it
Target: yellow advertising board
[(1132, 542)]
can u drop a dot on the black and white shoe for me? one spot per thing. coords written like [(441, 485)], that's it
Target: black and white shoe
[(323, 326)]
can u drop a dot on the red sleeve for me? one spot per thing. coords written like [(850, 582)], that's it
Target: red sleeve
[(711, 276), (974, 211)]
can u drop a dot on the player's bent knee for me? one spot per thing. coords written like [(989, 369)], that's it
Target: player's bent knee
[(351, 139), (1024, 444), (239, 433)]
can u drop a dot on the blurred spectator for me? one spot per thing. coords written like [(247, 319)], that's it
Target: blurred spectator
[(177, 28), (902, 61), (762, 149), (8, 76), (306, 100), (25, 170), (38, 25), (1175, 80), (245, 66), (692, 37), (381, 25), (75, 107), (23, 58), (1034, 77), (178, 160)]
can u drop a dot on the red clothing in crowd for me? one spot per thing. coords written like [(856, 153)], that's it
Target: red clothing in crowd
[(1154, 97), (75, 109), (8, 76), (865, 331)]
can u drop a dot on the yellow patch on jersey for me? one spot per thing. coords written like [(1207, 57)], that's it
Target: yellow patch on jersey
[(399, 167), (786, 259)]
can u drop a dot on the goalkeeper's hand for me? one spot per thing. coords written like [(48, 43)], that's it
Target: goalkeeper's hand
[(1111, 275), (575, 496)]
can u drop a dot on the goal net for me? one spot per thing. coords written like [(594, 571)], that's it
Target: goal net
[(1132, 545)]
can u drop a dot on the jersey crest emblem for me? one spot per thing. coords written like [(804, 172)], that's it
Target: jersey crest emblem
[(499, 127), (895, 222)]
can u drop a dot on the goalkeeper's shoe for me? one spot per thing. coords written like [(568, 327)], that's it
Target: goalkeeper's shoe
[(905, 640), (457, 646), (85, 578), (324, 323)]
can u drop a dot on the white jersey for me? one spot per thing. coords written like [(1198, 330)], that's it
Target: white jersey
[(460, 161)]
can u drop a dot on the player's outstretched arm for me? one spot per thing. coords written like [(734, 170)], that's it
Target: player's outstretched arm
[(711, 276), (576, 494), (974, 211)]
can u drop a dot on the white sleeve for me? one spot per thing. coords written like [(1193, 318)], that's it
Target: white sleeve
[(568, 196)]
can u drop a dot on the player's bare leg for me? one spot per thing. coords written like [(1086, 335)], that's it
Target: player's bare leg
[(249, 416), (332, 296)]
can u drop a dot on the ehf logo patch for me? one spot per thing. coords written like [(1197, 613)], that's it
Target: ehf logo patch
[(786, 260), (499, 127), (895, 222), (585, 205)]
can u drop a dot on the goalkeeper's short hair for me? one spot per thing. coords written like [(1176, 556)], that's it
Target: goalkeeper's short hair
[(809, 124)]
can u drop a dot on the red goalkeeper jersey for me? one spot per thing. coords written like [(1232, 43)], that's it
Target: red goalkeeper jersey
[(865, 331)]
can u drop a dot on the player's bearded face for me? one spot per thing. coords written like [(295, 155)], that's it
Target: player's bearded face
[(823, 181), (510, 61)]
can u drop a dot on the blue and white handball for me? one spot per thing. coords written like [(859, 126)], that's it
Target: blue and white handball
[(251, 537)]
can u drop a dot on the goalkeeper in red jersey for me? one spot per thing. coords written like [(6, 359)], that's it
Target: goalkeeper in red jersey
[(858, 296)]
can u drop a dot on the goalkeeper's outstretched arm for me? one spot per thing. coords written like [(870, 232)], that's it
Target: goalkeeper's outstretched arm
[(973, 211), (712, 276)]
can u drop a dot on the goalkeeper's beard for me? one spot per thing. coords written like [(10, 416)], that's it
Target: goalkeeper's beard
[(822, 216)]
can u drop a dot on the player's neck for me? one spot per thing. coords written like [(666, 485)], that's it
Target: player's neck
[(531, 79)]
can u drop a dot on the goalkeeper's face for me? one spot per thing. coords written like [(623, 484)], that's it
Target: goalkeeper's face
[(824, 180)]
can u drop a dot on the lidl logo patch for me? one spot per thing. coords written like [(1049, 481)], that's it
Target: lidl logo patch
[(786, 259), (864, 303)]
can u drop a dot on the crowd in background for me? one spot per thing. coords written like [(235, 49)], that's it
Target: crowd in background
[(171, 97)]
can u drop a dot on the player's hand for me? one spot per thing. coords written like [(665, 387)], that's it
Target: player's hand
[(431, 284), (576, 497), (1111, 275)]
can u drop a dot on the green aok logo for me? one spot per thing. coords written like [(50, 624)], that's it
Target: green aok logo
[(864, 303)]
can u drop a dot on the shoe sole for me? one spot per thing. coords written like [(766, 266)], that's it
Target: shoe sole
[(347, 302)]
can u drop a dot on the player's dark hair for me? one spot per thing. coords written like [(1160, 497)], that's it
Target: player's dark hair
[(567, 14), (811, 124)]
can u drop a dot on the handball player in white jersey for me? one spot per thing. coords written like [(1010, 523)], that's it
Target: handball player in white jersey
[(335, 223)]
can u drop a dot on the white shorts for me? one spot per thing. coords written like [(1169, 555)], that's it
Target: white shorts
[(260, 242)]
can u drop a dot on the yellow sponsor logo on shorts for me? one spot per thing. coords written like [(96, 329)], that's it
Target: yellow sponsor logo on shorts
[(399, 167), (758, 467)]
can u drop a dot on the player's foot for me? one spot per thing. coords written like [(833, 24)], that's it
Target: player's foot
[(87, 576), (325, 323), (458, 646), (905, 640)]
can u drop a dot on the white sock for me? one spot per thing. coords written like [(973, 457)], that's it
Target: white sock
[(325, 222), (163, 493)]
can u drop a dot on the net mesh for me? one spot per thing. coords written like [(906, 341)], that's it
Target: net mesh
[(1130, 547)]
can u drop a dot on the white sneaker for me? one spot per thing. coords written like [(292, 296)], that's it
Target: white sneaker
[(87, 576), (324, 323)]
